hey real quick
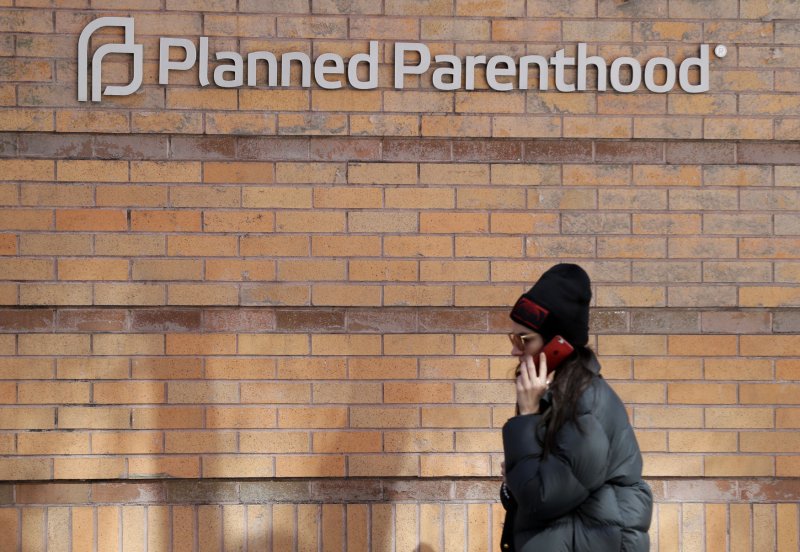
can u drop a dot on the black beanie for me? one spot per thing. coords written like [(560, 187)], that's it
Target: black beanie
[(557, 304)]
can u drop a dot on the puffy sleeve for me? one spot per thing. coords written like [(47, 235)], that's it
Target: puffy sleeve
[(553, 487)]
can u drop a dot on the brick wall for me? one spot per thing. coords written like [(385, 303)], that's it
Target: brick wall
[(285, 308)]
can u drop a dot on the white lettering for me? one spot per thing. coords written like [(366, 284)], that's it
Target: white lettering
[(702, 63), (320, 70), (165, 65), (453, 72), (286, 68), (649, 75), (559, 62), (371, 60), (237, 69), (492, 72), (636, 74), (584, 62), (400, 68)]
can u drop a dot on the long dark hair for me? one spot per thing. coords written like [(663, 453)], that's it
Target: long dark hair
[(571, 379)]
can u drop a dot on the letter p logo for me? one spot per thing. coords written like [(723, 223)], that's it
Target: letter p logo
[(128, 47)]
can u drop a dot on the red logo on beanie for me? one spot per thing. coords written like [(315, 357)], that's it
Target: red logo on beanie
[(533, 314)]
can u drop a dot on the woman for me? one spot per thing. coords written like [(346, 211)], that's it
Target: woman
[(572, 477)]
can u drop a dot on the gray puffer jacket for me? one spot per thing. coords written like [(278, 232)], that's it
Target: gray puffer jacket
[(588, 494)]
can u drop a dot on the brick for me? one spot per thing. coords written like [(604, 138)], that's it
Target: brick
[(53, 244), (382, 368), (414, 101), (233, 172), (166, 122), (384, 125), (526, 127), (364, 465), (167, 417), (380, 417), (27, 418), (667, 417), (767, 393), (235, 368), (91, 121), (128, 294), (454, 271), (27, 219), (467, 465), (130, 195), (420, 198), (738, 369), (128, 392), (129, 245), (202, 392), (90, 269), (179, 344), (92, 368), (741, 418), (731, 322), (167, 269), (310, 466), (94, 418), (92, 171), (26, 269), (311, 270), (66, 195), (456, 125), (140, 442), (178, 98)]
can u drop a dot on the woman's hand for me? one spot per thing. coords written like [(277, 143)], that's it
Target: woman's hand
[(530, 385)]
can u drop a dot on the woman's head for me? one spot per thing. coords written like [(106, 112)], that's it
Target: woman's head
[(557, 304), (525, 341)]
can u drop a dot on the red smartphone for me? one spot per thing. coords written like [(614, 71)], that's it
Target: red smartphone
[(556, 351)]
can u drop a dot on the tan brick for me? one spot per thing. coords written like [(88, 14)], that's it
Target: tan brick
[(88, 468), (346, 100), (380, 465), (167, 417), (559, 246), (278, 100), (396, 392), (768, 297), (456, 125), (688, 128), (773, 345), (664, 465), (136, 344), (383, 417), (311, 173), (736, 128), (310, 270), (454, 271), (167, 122), (187, 98), (129, 245), (218, 172), (420, 198), (168, 269), (384, 125), (701, 393), (667, 368), (488, 247), (27, 418), (418, 101), (262, 124), (128, 442), (312, 124), (128, 294), (739, 465), (418, 441), (239, 368), (526, 127), (165, 171), (52, 393), (52, 443), (178, 442), (228, 465), (55, 294), (525, 223), (348, 198), (338, 441), (735, 368), (600, 127), (417, 295), (239, 417), (310, 466), (279, 393), (132, 392), (310, 221), (202, 392), (702, 441), (204, 344), (31, 120), (741, 418), (132, 195), (91, 121), (465, 465), (376, 271), (290, 246), (380, 368), (90, 269), (26, 269)]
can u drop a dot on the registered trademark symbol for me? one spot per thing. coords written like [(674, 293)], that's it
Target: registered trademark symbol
[(721, 51)]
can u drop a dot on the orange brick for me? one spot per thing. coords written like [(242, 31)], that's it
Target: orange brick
[(92, 269), (456, 125), (92, 171), (739, 417), (203, 392), (212, 246), (707, 345), (23, 219), (769, 393), (134, 196), (129, 245), (27, 418), (350, 441), (128, 442), (207, 196), (167, 122), (348, 198), (738, 369), (278, 393), (185, 98), (25, 169), (206, 344), (701, 393), (465, 465), (376, 271), (278, 100), (167, 417), (380, 417), (271, 197), (26, 269), (418, 344), (88, 468), (454, 271), (312, 368), (313, 417), (93, 418), (239, 417), (224, 221), (236, 172), (381, 368), (152, 466), (181, 442), (128, 294), (310, 221), (420, 198), (773, 345), (308, 124), (139, 392), (26, 368), (379, 465), (165, 221), (228, 465), (396, 392), (667, 417), (167, 269), (384, 125), (166, 368), (240, 270), (631, 345), (91, 121), (309, 466), (54, 344), (703, 441), (345, 344), (667, 368), (52, 443), (290, 246), (239, 368)]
